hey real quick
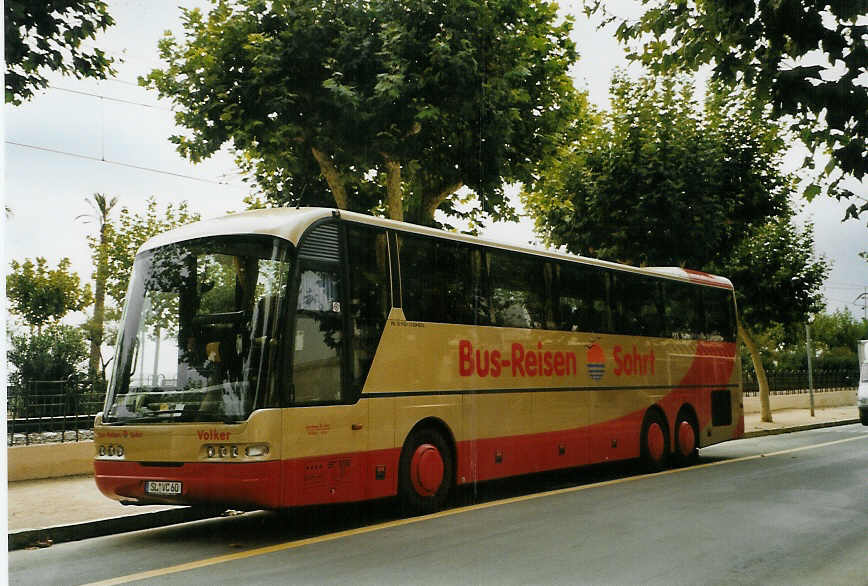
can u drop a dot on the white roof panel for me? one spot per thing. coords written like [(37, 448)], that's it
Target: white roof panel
[(290, 224)]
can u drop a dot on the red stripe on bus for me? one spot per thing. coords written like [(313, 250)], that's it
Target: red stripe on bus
[(706, 279)]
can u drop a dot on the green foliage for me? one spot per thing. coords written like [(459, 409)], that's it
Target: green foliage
[(834, 337), (776, 275), (833, 341), (41, 295), (57, 353), (772, 47), (335, 103), (663, 181), (129, 232), (48, 35)]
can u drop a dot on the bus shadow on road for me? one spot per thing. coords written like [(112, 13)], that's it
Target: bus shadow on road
[(237, 530)]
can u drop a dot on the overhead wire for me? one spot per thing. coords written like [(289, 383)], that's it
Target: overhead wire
[(122, 164), (102, 158)]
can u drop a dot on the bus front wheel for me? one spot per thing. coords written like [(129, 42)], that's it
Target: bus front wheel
[(426, 471), (654, 442)]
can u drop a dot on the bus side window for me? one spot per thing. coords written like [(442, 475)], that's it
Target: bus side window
[(518, 290), (583, 302), (719, 315), (682, 310), (441, 281), (318, 337), (368, 259)]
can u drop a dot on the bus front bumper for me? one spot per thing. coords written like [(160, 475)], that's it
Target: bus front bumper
[(243, 484)]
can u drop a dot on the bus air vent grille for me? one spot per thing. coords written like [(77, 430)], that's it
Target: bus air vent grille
[(321, 244)]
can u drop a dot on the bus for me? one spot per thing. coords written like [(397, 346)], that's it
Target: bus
[(289, 357)]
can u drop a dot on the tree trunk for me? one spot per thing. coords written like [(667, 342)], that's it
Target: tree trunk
[(94, 370), (394, 193), (332, 177), (430, 202), (762, 381)]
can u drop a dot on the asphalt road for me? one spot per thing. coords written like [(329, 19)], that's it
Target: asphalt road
[(786, 509)]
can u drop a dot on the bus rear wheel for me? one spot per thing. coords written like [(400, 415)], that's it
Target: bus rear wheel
[(686, 439), (654, 442), (426, 471)]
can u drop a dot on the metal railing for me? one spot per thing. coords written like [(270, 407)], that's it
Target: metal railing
[(51, 411), (791, 382)]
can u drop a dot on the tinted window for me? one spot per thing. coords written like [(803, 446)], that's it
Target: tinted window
[(441, 281), (682, 309), (369, 295), (639, 304), (583, 298), (719, 314), (517, 285)]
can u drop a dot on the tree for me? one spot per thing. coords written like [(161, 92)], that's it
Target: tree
[(129, 232), (55, 354), (102, 208), (375, 105), (834, 337), (777, 279), (658, 172), (48, 35), (664, 182), (41, 295), (772, 47)]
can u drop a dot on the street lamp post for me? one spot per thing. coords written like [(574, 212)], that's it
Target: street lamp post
[(810, 369)]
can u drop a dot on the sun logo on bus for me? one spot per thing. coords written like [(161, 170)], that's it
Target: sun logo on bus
[(596, 362)]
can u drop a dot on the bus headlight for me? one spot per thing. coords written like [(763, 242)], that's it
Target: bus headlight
[(232, 451), (256, 450), (111, 451)]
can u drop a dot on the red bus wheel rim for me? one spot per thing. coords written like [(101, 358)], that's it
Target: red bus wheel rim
[(656, 442), (686, 438), (426, 470)]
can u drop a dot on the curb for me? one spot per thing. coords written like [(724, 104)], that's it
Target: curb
[(89, 529), (762, 432)]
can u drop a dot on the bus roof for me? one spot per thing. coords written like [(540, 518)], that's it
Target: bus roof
[(290, 223)]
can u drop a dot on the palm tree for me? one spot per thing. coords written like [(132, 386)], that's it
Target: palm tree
[(102, 207)]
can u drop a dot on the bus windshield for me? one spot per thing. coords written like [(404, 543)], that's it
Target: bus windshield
[(201, 332)]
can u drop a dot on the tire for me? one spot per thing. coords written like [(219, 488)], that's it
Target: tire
[(426, 471), (686, 449), (863, 415), (654, 442)]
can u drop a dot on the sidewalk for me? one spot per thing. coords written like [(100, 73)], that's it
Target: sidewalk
[(787, 420), (64, 509)]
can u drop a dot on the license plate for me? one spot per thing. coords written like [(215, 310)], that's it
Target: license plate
[(162, 487)]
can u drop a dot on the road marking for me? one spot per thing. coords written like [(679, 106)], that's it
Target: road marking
[(448, 513)]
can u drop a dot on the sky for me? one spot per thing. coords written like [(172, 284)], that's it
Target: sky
[(82, 137)]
